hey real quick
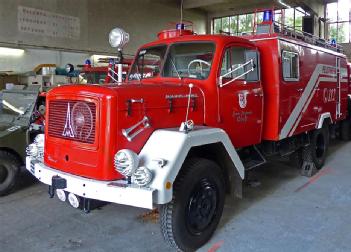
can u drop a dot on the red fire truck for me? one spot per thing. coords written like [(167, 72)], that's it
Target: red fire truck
[(196, 112)]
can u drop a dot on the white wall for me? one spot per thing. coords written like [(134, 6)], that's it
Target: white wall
[(347, 50), (143, 19), (33, 57)]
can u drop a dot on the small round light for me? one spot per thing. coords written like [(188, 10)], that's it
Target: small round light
[(73, 200), (142, 176), (118, 38), (126, 161), (61, 195), (168, 185)]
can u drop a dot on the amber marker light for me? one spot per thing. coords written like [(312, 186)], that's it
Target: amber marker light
[(168, 185)]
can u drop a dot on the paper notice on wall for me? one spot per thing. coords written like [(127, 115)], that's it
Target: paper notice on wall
[(46, 23)]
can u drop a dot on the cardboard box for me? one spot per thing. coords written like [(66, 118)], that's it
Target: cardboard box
[(8, 79)]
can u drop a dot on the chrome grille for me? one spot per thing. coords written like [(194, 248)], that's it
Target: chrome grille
[(72, 119)]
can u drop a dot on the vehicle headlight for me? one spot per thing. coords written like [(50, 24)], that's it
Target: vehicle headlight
[(118, 38), (36, 149), (126, 162), (32, 150), (142, 176)]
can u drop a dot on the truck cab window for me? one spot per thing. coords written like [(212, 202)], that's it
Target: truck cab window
[(240, 63), (148, 63), (290, 61), (189, 60)]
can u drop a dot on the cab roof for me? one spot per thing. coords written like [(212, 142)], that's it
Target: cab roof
[(217, 39)]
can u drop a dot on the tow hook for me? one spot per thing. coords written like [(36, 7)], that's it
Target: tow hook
[(57, 183)]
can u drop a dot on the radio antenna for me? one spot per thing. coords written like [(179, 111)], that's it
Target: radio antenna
[(187, 125)]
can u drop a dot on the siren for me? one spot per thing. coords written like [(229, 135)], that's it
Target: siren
[(333, 42), (268, 16), (180, 26), (87, 63)]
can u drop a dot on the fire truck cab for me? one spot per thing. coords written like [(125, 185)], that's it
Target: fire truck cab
[(196, 113)]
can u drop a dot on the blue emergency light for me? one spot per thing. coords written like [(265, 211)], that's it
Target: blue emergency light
[(268, 16), (333, 42), (88, 62), (180, 26)]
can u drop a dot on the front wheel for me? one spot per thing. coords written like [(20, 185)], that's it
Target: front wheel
[(9, 170), (190, 219)]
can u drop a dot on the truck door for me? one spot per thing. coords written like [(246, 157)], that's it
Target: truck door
[(338, 88), (241, 95)]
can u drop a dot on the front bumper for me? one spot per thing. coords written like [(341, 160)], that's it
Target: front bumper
[(110, 191)]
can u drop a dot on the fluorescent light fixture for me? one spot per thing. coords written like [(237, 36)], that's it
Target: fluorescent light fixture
[(284, 4), (5, 51)]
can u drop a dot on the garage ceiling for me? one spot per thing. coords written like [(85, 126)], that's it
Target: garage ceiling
[(213, 6)]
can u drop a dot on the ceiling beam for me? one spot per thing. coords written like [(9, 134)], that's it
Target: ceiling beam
[(191, 4)]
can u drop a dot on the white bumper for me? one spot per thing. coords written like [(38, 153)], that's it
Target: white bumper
[(110, 191)]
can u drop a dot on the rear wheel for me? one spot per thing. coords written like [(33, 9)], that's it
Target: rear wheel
[(345, 130), (9, 170), (316, 151), (190, 219)]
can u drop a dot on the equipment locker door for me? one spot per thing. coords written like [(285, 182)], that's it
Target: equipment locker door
[(241, 95)]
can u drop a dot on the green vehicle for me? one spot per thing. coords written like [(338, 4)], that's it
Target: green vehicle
[(21, 119)]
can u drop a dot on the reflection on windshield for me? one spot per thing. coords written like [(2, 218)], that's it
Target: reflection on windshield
[(18, 103), (94, 77), (148, 63), (190, 60)]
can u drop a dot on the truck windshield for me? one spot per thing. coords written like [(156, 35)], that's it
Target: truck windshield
[(94, 77), (189, 60), (148, 63)]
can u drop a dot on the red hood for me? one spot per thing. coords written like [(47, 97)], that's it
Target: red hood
[(117, 108)]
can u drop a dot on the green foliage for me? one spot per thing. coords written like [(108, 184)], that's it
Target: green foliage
[(338, 34)]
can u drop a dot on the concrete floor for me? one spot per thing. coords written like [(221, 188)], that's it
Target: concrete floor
[(286, 212)]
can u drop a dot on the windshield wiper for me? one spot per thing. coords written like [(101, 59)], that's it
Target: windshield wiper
[(175, 68)]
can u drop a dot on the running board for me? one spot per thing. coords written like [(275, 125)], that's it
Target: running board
[(251, 158)]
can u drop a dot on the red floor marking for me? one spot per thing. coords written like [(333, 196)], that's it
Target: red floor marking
[(216, 246), (316, 177)]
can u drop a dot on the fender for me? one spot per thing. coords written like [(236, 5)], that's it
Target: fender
[(166, 150), (322, 118)]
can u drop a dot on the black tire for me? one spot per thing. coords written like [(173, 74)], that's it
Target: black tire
[(199, 191), (345, 130), (9, 171), (295, 159), (316, 151)]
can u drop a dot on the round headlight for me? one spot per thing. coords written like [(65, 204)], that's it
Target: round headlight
[(118, 38), (142, 176), (126, 161), (73, 200), (61, 195), (32, 150)]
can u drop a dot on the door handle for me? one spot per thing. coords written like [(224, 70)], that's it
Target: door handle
[(300, 89)]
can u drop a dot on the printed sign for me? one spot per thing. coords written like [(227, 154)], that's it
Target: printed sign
[(46, 23)]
